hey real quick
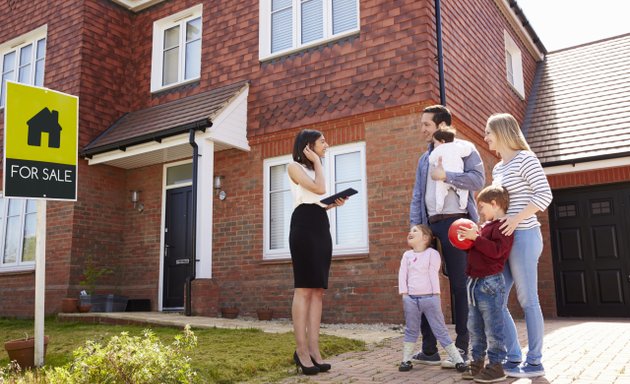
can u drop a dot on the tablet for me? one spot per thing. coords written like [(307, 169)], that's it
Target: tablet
[(343, 194)]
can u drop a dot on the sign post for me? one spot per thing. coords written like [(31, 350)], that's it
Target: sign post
[(40, 162)]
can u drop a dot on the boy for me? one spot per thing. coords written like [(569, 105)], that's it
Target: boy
[(452, 154), (486, 286)]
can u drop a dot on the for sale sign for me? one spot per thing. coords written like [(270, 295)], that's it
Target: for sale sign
[(40, 143)]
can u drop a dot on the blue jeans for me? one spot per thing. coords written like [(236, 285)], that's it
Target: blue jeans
[(430, 307), (455, 260), (485, 320), (521, 270)]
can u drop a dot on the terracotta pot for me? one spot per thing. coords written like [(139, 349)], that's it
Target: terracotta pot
[(83, 308), (69, 305), (23, 351), (229, 312), (264, 314)]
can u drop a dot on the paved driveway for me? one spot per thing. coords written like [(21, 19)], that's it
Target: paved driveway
[(575, 351)]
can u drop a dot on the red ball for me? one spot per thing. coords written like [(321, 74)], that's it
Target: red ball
[(458, 241)]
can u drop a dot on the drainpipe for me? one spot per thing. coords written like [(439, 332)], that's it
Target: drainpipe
[(440, 57), (192, 264), (438, 33)]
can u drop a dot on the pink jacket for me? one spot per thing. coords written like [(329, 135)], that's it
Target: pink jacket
[(419, 272)]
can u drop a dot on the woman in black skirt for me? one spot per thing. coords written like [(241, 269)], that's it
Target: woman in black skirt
[(311, 247)]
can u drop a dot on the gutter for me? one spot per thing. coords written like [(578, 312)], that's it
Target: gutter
[(440, 56), (146, 138), (192, 265)]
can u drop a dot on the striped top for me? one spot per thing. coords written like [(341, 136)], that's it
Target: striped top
[(525, 180)]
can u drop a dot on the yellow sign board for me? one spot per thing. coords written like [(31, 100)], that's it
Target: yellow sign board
[(40, 143)]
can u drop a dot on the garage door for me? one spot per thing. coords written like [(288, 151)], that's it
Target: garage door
[(590, 230)]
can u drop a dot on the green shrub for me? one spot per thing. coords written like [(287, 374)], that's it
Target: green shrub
[(123, 360)]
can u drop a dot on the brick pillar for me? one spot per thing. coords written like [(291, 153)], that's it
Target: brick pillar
[(205, 297)]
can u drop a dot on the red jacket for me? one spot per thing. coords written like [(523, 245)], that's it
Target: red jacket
[(489, 251)]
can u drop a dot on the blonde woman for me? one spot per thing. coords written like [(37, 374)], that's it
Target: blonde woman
[(520, 172)]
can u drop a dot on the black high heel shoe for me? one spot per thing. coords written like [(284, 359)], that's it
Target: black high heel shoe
[(323, 367), (313, 370)]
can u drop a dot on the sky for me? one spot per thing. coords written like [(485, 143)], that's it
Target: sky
[(567, 23)]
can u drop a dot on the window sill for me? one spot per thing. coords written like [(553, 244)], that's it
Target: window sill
[(156, 91), (306, 47), (11, 271), (340, 256)]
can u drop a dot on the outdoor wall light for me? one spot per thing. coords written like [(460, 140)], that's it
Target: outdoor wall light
[(217, 188), (135, 199)]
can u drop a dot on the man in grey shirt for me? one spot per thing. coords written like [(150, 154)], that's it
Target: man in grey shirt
[(423, 211)]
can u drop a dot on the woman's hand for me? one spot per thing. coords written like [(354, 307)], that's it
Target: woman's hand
[(509, 224), (338, 203), (468, 233), (310, 154)]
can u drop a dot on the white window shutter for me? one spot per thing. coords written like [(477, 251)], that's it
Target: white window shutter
[(344, 15), (312, 20), (349, 217), (280, 207), (281, 25)]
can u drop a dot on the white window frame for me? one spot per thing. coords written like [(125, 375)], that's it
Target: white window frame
[(264, 18), (157, 64), (19, 265), (514, 65), (329, 169), (15, 45)]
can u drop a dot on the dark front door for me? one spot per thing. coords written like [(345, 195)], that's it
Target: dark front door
[(177, 246), (590, 230)]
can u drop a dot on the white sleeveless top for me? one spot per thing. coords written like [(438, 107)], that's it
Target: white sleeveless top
[(302, 195)]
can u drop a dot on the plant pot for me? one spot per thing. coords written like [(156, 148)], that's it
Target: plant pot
[(264, 314), (23, 351), (84, 308), (229, 312), (69, 305)]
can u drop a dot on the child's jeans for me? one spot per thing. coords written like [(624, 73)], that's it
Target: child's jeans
[(485, 317), (431, 307)]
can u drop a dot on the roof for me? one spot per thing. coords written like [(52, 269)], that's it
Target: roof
[(581, 110), (165, 120)]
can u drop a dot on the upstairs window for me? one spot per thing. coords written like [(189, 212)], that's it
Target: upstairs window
[(344, 167), (23, 60), (18, 221), (514, 65), (290, 25), (176, 49)]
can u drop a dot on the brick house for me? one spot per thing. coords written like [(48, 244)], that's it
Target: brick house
[(197, 103)]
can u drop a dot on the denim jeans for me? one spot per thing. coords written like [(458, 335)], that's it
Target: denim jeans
[(485, 320), (521, 270), (455, 260), (430, 307)]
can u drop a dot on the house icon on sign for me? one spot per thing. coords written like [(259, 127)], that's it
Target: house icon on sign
[(44, 121)]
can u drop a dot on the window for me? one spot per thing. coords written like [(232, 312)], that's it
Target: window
[(23, 60), (514, 65), (290, 25), (18, 220), (344, 167), (176, 49)]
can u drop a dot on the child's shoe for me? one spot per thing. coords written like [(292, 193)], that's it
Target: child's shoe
[(492, 373), (528, 370), (473, 369), (454, 358), (405, 366)]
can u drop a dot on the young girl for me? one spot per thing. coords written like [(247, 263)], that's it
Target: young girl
[(419, 284)]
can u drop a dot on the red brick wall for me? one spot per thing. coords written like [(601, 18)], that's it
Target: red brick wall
[(474, 62), (386, 65)]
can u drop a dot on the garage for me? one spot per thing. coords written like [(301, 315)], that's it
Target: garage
[(590, 236)]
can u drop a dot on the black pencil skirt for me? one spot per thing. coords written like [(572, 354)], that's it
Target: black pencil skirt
[(311, 246)]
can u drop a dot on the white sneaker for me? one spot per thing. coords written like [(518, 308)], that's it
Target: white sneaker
[(450, 364)]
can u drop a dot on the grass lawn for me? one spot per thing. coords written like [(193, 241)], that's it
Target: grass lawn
[(221, 356)]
